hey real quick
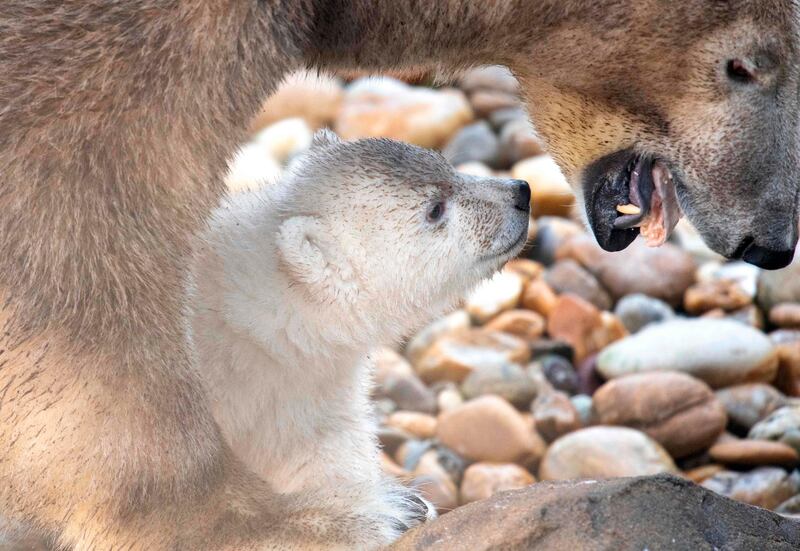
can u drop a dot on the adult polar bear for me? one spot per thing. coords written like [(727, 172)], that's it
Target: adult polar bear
[(116, 120)]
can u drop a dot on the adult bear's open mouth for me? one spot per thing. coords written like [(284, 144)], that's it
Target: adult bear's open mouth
[(629, 193)]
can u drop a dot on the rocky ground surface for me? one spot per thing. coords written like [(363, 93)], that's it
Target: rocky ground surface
[(572, 363)]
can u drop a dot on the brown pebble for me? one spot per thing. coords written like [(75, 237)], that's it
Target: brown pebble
[(786, 315), (483, 480), (753, 452), (524, 324), (716, 294)]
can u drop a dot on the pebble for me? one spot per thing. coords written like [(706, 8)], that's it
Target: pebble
[(524, 324), (508, 380), (454, 357), (553, 234), (539, 297), (434, 483), (604, 452), (554, 415), (489, 429), (589, 379), (448, 399), (559, 373), (395, 379), (708, 295), (419, 425), (550, 192), (778, 286), (500, 293), (519, 141), (782, 425), (483, 480), (787, 343), (473, 143), (457, 322), (285, 139), (638, 311), (547, 347), (500, 117), (583, 326), (748, 404), (484, 102), (663, 273), (525, 268), (753, 452), (584, 405), (475, 169), (765, 487), (567, 276), (389, 467), (311, 95), (251, 168), (786, 315), (719, 352), (386, 107), (699, 474), (489, 77), (743, 274), (678, 411)]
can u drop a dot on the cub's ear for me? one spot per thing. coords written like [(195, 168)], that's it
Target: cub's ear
[(311, 259), (324, 138)]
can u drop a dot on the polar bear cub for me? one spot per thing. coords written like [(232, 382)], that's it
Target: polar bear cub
[(359, 245)]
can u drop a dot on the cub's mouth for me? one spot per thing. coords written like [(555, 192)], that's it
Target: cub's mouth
[(629, 193)]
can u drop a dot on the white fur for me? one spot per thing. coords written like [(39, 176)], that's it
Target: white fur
[(291, 288)]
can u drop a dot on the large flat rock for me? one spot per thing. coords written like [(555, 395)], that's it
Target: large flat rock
[(659, 512)]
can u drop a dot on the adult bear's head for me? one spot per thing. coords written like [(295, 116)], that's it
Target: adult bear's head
[(675, 107)]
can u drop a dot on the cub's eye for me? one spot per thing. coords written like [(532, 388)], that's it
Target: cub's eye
[(435, 212), (739, 70)]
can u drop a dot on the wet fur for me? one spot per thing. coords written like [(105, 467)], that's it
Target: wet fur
[(115, 122)]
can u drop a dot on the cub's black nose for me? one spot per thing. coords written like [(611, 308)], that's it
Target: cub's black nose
[(522, 195), (768, 259)]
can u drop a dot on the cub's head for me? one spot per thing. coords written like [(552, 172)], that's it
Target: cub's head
[(668, 107), (392, 229)]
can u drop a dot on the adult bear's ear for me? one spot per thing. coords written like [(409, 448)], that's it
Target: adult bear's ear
[(312, 259), (324, 138)]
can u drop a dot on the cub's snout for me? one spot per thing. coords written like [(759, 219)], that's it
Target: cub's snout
[(522, 195)]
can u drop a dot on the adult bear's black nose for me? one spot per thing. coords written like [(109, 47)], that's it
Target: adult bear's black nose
[(522, 195), (769, 259)]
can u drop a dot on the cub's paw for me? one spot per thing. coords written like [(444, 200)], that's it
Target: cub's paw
[(404, 509)]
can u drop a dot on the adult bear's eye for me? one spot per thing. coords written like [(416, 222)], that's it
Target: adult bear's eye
[(435, 212)]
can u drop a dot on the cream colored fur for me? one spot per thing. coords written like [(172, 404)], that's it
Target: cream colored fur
[(294, 284)]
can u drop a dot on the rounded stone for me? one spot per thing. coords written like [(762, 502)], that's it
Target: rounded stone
[(765, 487), (384, 107), (489, 429), (721, 293), (554, 415), (524, 324), (663, 273), (637, 311), (719, 352), (567, 276), (498, 294), (748, 404), (483, 480), (753, 452), (550, 192), (678, 411), (420, 425), (508, 380), (782, 425), (454, 357), (604, 452)]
